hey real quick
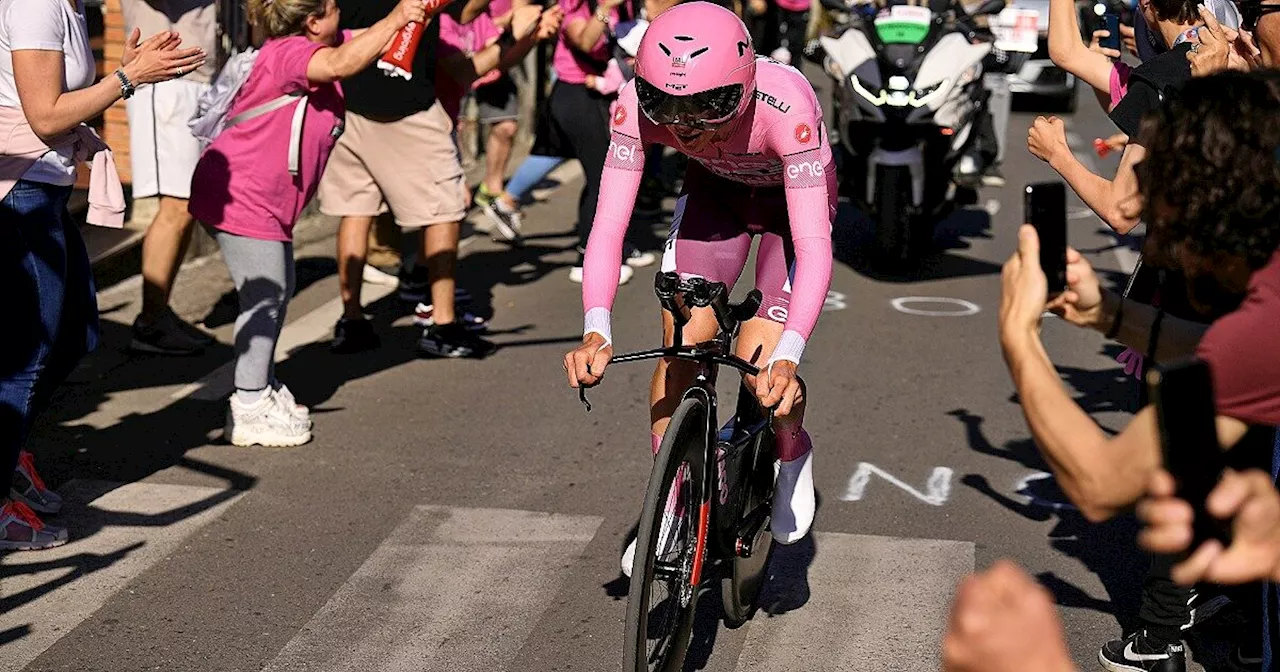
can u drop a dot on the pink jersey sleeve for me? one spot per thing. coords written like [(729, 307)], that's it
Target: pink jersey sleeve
[(800, 139), (619, 184)]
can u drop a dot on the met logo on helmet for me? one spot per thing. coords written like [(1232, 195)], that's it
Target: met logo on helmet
[(807, 168)]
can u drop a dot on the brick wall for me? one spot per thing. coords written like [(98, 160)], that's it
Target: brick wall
[(115, 123)]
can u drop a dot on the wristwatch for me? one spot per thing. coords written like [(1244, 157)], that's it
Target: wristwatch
[(127, 89)]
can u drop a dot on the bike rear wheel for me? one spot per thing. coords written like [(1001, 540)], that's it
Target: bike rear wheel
[(670, 546)]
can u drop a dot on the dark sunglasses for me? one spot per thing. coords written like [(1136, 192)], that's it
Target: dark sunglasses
[(1253, 10)]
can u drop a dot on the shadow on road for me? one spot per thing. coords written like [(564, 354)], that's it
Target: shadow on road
[(853, 241), (1106, 549)]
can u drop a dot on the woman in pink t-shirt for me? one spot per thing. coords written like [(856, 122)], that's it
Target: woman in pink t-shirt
[(254, 179)]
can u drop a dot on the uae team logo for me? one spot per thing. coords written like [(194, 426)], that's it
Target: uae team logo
[(804, 134)]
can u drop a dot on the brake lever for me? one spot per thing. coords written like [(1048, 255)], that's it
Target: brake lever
[(582, 396)]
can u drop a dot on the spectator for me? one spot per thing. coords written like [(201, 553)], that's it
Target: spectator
[(163, 155), (244, 192), (398, 153), (1176, 21), (466, 54), (47, 93), (1211, 203), (1003, 621), (577, 121)]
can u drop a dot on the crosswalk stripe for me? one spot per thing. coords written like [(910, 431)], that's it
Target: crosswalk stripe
[(119, 534), (873, 603), (452, 589)]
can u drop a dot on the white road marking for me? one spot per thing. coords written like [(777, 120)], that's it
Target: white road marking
[(450, 589), (117, 536), (873, 604), (936, 491), (1023, 490), (834, 301), (967, 308)]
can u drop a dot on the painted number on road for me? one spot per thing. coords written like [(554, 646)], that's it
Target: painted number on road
[(936, 490), (835, 301)]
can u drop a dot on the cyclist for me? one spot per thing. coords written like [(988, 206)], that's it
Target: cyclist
[(761, 166)]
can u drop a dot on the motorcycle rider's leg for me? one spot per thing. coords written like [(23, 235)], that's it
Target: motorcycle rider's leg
[(794, 500), (999, 103)]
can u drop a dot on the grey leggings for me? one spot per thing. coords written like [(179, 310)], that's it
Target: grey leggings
[(263, 273)]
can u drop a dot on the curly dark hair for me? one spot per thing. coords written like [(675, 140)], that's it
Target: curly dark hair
[(1179, 11), (1211, 177)]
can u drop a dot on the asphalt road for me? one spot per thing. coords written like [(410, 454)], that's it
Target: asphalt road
[(461, 515)]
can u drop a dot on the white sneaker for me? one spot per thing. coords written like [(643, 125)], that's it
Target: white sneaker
[(285, 397), (629, 558), (638, 259), (266, 422), (793, 499), (376, 276), (624, 274)]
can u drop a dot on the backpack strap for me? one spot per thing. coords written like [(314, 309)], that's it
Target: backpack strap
[(295, 127)]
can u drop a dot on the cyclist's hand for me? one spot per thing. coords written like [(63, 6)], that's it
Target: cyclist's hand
[(779, 386), (586, 363)]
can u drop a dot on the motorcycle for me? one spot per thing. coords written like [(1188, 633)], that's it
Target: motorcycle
[(908, 96)]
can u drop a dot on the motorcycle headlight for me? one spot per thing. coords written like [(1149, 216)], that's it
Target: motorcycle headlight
[(921, 97), (876, 99)]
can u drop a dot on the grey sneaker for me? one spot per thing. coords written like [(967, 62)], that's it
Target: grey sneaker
[(30, 489), (165, 336), (506, 220), (22, 530)]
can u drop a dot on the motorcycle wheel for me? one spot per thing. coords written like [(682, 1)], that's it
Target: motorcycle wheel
[(893, 215)]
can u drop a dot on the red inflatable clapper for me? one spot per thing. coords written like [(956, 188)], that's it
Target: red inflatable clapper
[(398, 61)]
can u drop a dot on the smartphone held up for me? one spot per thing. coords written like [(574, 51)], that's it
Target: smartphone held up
[(1045, 208)]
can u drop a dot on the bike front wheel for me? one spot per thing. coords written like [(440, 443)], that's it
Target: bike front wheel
[(671, 546)]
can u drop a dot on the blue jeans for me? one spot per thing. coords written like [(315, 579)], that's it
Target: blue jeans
[(532, 170), (48, 300)]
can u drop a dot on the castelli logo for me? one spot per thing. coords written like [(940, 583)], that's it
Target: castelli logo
[(619, 116), (804, 134)]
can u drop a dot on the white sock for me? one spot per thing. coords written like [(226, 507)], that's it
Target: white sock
[(793, 499), (248, 397)]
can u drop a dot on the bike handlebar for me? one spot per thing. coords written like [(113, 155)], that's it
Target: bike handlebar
[(676, 296)]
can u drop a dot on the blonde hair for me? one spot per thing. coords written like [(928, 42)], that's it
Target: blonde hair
[(280, 18)]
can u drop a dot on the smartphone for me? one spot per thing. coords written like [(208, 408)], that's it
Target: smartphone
[(1183, 396), (1045, 208), (1111, 24)]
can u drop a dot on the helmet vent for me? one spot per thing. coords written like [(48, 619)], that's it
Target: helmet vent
[(699, 52), (664, 48), (684, 38), (742, 48)]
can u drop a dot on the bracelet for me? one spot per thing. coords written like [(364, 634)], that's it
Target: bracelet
[(127, 89), (1115, 323), (602, 16)]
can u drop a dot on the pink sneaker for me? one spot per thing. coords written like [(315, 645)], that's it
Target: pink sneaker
[(22, 530), (30, 489)]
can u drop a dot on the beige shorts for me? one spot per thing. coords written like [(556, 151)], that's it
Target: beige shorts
[(409, 166)]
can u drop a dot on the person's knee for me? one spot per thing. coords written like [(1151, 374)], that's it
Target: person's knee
[(504, 130)]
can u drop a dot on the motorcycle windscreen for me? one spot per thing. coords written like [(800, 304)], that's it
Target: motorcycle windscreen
[(904, 24)]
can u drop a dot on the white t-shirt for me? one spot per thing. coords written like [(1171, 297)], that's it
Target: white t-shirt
[(47, 25)]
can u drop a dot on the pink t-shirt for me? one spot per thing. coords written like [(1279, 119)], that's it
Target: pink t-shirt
[(242, 183), (1119, 82), (794, 5), (456, 38), (572, 67)]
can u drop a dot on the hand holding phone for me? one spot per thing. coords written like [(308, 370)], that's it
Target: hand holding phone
[(1111, 24), (1183, 396), (1045, 208)]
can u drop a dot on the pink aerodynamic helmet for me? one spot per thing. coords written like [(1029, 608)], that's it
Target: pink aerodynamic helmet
[(695, 66)]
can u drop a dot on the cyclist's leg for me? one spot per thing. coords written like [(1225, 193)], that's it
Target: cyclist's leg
[(706, 242), (794, 501)]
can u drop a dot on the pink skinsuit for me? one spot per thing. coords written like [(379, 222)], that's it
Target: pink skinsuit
[(773, 177)]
